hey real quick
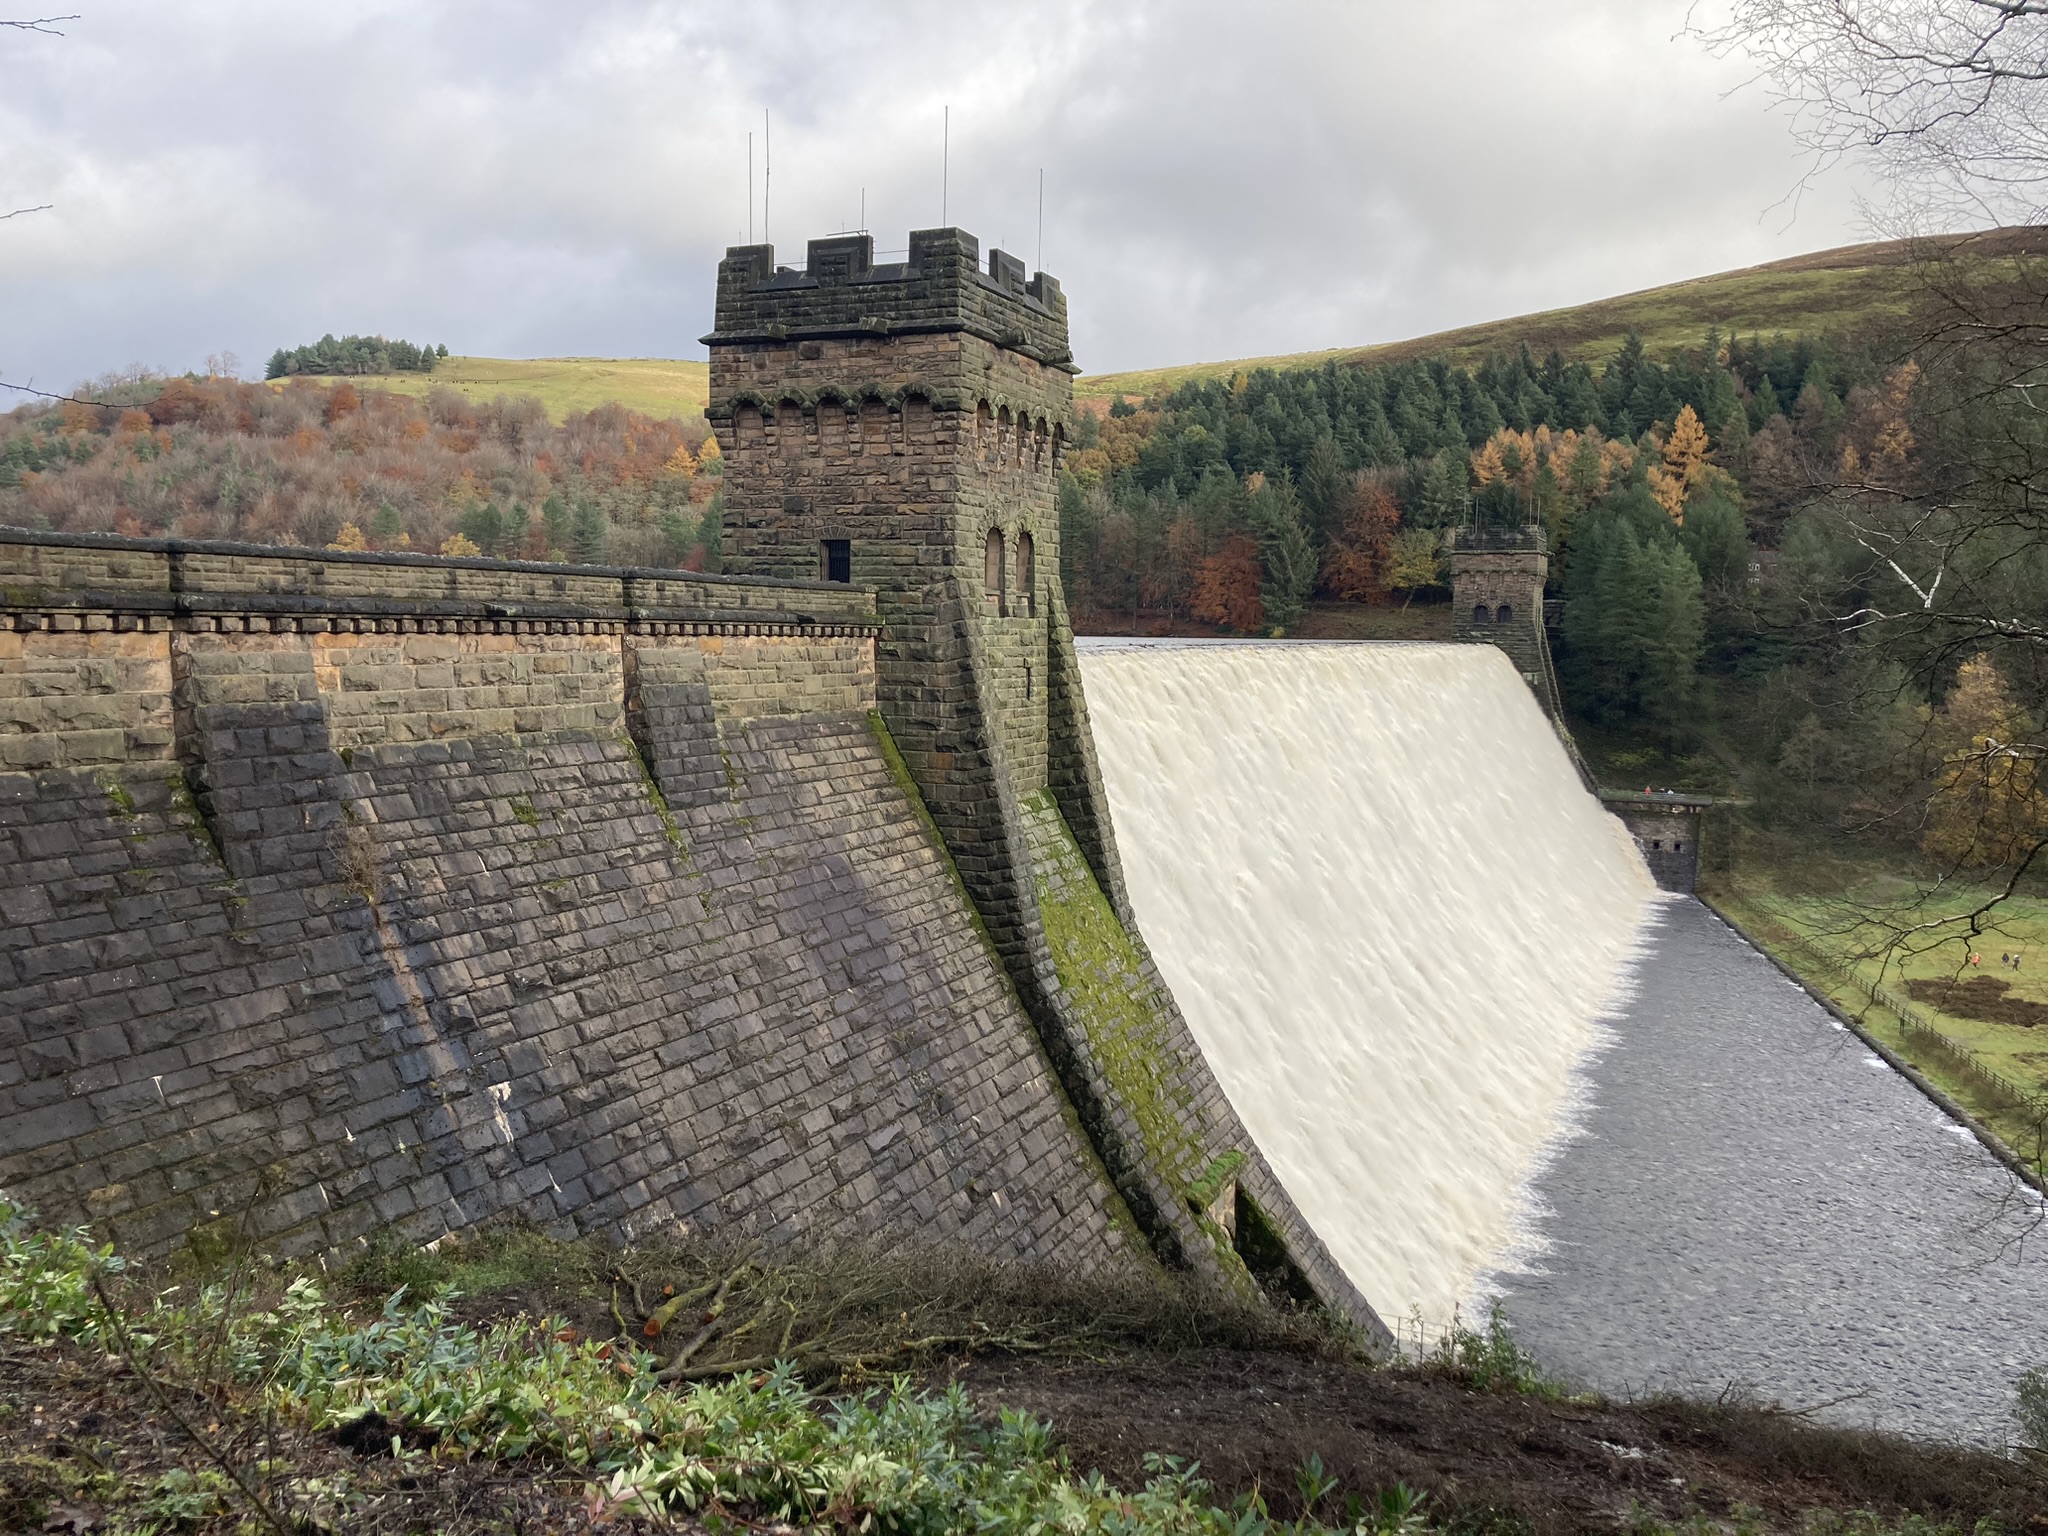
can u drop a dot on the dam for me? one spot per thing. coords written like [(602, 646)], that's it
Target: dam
[(846, 895)]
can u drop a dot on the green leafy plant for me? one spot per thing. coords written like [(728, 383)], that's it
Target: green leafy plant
[(2030, 1407), (1491, 1360)]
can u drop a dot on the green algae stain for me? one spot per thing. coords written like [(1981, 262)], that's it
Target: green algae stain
[(670, 828), (1120, 1013), (1099, 969)]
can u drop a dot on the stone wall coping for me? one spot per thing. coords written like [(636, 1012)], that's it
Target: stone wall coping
[(580, 592)]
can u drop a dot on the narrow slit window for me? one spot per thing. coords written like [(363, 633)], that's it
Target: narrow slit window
[(835, 560), (1027, 577), (993, 573)]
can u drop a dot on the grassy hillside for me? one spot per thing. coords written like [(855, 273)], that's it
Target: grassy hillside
[(1850, 288), (656, 385), (1846, 289)]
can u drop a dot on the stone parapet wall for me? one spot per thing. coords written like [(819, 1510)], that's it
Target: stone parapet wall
[(98, 582), (81, 699)]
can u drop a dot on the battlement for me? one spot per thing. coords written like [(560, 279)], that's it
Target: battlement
[(841, 294)]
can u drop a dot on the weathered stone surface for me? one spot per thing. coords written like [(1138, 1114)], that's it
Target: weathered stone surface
[(920, 455), (348, 892), (615, 928)]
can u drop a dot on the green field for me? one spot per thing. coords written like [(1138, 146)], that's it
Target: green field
[(1850, 288), (657, 386)]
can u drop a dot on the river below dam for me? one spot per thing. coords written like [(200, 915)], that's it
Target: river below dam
[(1756, 1199)]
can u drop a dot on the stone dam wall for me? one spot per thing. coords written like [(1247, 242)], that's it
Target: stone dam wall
[(346, 893), (351, 893)]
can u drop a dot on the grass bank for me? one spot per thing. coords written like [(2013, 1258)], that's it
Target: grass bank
[(457, 1392)]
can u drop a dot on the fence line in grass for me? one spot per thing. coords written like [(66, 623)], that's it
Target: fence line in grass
[(1916, 1024)]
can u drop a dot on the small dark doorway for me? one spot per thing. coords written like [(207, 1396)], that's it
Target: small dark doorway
[(1506, 614), (835, 559), (1480, 614)]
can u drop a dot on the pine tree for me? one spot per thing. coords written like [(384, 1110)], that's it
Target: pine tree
[(587, 534), (1445, 499), (1285, 551)]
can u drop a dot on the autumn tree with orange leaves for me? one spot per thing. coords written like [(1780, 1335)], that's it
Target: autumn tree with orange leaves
[(1355, 564), (1227, 587)]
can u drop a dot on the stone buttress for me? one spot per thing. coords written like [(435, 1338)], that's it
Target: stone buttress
[(899, 428)]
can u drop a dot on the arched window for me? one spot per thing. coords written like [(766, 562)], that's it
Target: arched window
[(1480, 613), (1027, 577), (992, 574), (1506, 614)]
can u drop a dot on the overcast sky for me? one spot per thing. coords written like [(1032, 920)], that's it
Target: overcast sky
[(541, 179)]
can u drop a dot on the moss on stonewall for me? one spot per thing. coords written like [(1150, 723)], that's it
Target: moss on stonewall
[(1204, 1192), (1119, 1214), (1115, 1005), (670, 828), (118, 797)]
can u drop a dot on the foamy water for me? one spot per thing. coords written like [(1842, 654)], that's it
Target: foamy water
[(1392, 916)]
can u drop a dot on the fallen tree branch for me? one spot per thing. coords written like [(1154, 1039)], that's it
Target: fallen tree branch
[(712, 1315)]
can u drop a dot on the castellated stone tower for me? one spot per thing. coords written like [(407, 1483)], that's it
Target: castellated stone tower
[(900, 427), (1497, 577)]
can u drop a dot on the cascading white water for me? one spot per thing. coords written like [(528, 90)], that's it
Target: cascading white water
[(1391, 915)]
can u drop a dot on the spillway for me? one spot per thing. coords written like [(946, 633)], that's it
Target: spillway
[(1392, 917)]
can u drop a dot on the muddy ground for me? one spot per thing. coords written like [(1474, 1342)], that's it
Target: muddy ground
[(73, 1425), (1495, 1460)]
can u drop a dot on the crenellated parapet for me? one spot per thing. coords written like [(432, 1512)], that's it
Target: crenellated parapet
[(841, 294)]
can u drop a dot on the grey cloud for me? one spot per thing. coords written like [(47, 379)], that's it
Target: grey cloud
[(534, 179)]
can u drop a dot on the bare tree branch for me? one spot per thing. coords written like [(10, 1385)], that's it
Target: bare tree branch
[(1951, 98), (41, 24), (39, 208), (44, 394)]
